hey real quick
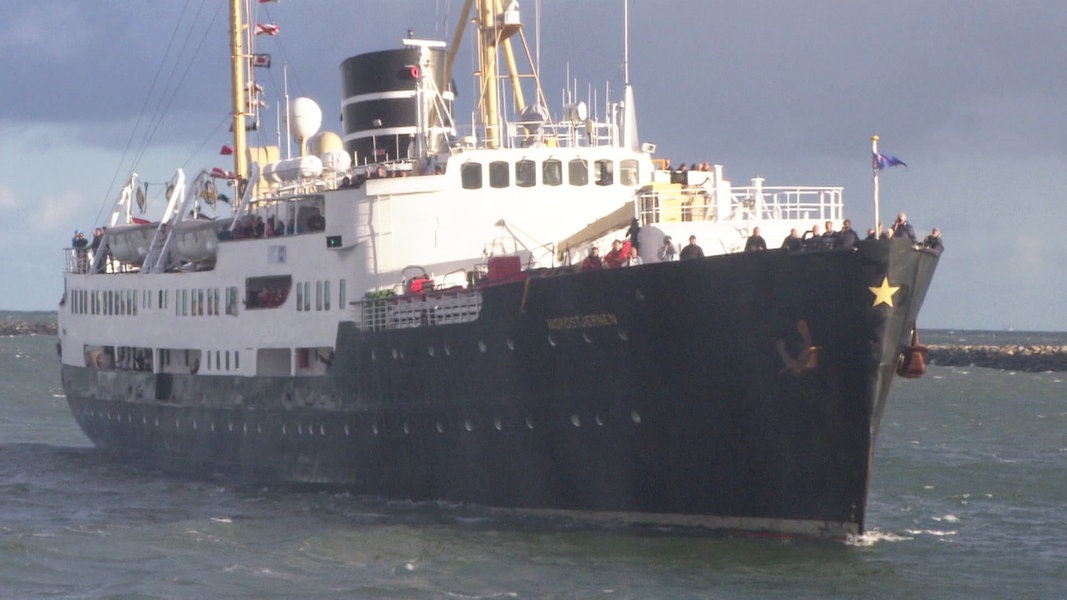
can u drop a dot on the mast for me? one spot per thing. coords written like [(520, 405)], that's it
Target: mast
[(874, 158), (237, 76), (487, 41), (497, 22), (629, 131)]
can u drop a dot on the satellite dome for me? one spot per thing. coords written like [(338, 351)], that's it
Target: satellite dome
[(305, 118), (325, 142)]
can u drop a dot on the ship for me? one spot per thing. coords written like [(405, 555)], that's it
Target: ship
[(415, 310)]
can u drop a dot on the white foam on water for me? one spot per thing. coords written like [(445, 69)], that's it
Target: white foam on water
[(874, 536)]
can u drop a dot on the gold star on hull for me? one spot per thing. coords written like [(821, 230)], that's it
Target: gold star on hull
[(883, 294)]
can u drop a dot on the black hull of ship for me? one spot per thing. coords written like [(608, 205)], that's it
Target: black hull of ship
[(659, 393)]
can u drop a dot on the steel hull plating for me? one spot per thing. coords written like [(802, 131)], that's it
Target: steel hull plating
[(741, 391)]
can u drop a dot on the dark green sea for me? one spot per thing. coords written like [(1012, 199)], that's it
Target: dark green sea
[(968, 500)]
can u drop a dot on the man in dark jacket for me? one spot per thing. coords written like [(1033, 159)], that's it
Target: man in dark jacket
[(692, 250)]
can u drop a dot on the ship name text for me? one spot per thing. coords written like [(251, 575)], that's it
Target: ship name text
[(582, 321)]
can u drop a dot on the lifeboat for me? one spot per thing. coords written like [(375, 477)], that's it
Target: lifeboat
[(198, 239), (129, 243)]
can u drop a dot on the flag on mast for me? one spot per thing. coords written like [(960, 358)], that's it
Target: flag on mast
[(267, 29), (881, 161)]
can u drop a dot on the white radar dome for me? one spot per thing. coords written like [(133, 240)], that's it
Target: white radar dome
[(305, 118)]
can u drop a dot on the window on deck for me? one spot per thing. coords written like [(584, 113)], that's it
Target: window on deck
[(525, 173), (552, 172), (471, 175), (604, 172), (499, 176), (578, 171)]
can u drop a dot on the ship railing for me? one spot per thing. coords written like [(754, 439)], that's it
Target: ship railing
[(84, 260), (76, 260), (525, 134), (666, 203), (791, 203), (417, 310)]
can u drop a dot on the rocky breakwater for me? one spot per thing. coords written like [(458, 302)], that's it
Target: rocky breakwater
[(1031, 358), (27, 327)]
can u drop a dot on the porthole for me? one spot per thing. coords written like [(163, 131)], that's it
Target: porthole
[(600, 420), (482, 347), (448, 350), (587, 337), (468, 425), (431, 351), (374, 428), (347, 430), (511, 344), (576, 421), (373, 355), (407, 429), (283, 429), (395, 354), (624, 335), (498, 425), (551, 340), (322, 430), (440, 427), (529, 423), (635, 416)]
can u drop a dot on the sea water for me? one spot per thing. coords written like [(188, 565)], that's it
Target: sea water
[(968, 500)]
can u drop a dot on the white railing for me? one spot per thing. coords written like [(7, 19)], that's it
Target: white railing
[(522, 134), (417, 310), (703, 203), (792, 203)]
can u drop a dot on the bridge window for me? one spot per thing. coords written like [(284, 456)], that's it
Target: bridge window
[(525, 173), (578, 171), (628, 174), (604, 172), (552, 172), (499, 177), (471, 175)]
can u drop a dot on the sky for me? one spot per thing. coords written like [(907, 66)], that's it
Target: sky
[(972, 94)]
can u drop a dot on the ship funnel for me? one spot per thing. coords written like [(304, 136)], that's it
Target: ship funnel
[(390, 97)]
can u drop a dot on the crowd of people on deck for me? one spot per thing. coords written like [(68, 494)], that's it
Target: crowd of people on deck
[(680, 173), (623, 253), (846, 237)]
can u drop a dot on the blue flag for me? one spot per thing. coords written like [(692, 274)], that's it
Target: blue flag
[(881, 161)]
